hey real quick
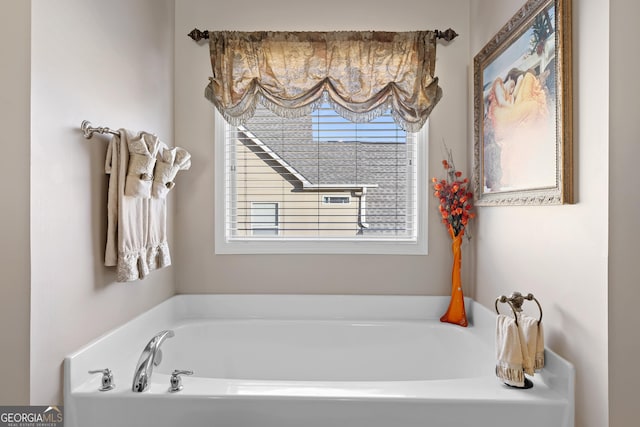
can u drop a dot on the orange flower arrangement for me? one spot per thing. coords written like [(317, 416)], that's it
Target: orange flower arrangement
[(455, 199)]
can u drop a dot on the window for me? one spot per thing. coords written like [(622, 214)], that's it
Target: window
[(264, 219), (342, 200), (319, 184)]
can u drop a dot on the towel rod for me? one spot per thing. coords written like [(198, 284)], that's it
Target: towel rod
[(515, 301), (447, 35), (88, 130)]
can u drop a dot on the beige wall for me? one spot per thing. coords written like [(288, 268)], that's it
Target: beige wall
[(15, 28), (624, 214), (199, 269), (560, 253), (110, 62)]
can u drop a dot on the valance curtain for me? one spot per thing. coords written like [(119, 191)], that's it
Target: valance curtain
[(361, 74)]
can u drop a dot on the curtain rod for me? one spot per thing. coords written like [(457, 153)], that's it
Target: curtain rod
[(447, 35)]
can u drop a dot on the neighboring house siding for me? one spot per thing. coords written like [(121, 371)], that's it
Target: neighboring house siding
[(299, 211)]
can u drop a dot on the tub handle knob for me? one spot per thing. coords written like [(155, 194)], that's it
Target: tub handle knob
[(107, 379), (176, 380)]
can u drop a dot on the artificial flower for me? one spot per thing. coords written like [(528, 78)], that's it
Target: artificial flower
[(454, 197)]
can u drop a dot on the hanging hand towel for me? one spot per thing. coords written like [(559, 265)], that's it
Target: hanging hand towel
[(136, 226), (509, 352), (142, 160), (111, 165), (533, 339), (539, 359), (168, 165), (528, 329)]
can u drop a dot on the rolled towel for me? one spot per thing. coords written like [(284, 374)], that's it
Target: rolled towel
[(509, 352), (142, 160), (532, 335), (170, 161)]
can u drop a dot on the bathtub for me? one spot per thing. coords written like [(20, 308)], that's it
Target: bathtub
[(294, 360)]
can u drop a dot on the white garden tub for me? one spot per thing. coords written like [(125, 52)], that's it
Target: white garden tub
[(280, 361)]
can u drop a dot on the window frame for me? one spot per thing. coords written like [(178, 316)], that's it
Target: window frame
[(387, 246)]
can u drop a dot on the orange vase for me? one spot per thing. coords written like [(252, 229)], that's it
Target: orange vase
[(456, 312)]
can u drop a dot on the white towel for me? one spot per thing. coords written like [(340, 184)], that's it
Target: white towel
[(539, 362), (528, 329), (136, 226), (142, 160), (112, 165), (509, 352), (169, 163), (532, 336)]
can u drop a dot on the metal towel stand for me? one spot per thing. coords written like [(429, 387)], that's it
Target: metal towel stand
[(515, 301)]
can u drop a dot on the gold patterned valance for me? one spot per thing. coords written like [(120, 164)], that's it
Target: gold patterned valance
[(361, 74)]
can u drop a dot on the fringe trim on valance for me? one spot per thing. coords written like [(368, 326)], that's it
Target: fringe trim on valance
[(249, 105)]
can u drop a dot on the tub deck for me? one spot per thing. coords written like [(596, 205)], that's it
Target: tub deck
[(293, 389)]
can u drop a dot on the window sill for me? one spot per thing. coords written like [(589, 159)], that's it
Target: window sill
[(341, 247)]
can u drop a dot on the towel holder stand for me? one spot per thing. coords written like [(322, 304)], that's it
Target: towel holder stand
[(515, 301)]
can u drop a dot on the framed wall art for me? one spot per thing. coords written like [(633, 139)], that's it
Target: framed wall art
[(523, 109)]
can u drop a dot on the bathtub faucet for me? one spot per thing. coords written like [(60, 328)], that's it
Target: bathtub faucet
[(151, 356)]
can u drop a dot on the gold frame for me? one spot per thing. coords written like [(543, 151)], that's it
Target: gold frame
[(488, 61)]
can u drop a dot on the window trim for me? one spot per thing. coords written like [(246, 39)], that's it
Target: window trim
[(316, 246)]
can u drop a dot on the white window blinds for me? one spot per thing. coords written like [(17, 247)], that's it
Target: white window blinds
[(318, 178)]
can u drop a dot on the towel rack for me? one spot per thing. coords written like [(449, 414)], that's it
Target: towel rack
[(88, 130), (515, 301)]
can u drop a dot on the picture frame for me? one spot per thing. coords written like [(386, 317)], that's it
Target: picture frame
[(523, 147)]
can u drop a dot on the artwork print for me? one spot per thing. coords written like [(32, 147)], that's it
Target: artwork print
[(521, 147)]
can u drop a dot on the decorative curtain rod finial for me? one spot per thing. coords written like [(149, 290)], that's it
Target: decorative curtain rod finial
[(447, 35), (198, 35)]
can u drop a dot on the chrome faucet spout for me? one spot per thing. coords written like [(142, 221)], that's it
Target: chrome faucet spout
[(151, 356)]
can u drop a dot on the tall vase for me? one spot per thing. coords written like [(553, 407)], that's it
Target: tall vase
[(456, 313)]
